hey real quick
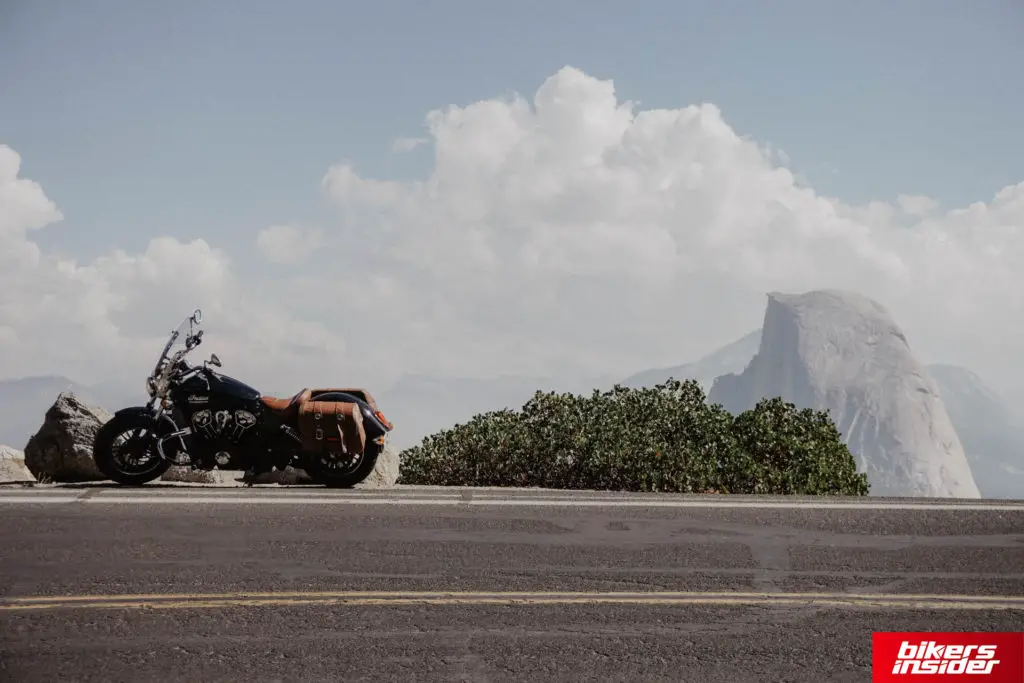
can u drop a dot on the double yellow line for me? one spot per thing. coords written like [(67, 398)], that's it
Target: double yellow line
[(448, 598)]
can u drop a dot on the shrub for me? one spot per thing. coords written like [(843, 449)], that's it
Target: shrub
[(795, 451), (665, 438)]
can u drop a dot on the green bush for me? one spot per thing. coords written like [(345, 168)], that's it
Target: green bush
[(662, 439)]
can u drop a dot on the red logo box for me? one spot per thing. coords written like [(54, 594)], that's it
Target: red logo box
[(947, 657)]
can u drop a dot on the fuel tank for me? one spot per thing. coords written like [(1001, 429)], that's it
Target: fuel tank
[(231, 387), (221, 388)]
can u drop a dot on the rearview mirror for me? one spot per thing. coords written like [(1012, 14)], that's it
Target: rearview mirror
[(197, 316), (214, 361)]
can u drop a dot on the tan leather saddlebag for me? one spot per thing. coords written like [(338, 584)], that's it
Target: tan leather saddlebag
[(331, 428)]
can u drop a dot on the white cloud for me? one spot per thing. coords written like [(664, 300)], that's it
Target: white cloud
[(25, 207), (575, 229), (109, 318), (570, 232), (401, 145), (287, 243), (917, 205)]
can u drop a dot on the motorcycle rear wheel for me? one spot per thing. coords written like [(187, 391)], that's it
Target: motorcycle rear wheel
[(344, 477), (134, 461)]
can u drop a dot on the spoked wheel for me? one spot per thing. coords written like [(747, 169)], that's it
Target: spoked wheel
[(125, 450), (344, 471)]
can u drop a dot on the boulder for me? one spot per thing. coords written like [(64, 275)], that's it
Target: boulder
[(385, 472), (12, 466), (187, 475), (61, 451), (840, 351)]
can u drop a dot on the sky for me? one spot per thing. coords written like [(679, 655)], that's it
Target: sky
[(473, 188)]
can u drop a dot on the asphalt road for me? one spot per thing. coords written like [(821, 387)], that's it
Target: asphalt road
[(273, 584)]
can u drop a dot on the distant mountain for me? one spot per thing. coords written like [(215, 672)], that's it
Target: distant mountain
[(419, 405), (24, 402), (422, 405), (843, 352), (730, 359), (990, 431)]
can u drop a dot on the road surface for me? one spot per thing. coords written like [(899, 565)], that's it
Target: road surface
[(304, 584)]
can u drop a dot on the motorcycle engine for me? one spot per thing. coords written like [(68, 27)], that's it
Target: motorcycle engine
[(221, 435)]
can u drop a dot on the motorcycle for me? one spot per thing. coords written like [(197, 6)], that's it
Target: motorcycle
[(201, 418)]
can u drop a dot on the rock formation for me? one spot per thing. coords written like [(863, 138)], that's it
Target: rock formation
[(187, 475), (385, 472), (24, 400), (383, 476), (842, 351), (61, 451), (12, 466)]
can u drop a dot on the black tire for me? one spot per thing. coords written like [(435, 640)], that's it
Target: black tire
[(347, 476), (111, 457)]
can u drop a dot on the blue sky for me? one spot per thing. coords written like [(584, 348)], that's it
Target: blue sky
[(570, 238), (199, 118)]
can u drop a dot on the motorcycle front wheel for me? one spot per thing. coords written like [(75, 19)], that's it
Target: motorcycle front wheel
[(125, 450)]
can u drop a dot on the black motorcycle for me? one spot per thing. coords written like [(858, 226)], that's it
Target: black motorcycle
[(200, 418)]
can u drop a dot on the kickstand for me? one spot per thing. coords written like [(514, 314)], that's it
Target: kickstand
[(249, 478)]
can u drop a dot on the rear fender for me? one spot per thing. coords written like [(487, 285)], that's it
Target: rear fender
[(374, 426)]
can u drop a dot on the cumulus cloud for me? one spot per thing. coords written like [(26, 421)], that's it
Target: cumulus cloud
[(107, 319), (23, 207), (287, 244), (917, 205), (572, 231)]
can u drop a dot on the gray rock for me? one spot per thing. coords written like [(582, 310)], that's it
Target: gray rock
[(24, 400), (187, 475), (12, 466), (385, 472), (991, 433), (843, 352), (61, 451)]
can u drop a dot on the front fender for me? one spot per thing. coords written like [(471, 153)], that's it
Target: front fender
[(169, 434)]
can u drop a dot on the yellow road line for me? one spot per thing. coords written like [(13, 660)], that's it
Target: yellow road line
[(499, 594), (723, 602), (205, 601)]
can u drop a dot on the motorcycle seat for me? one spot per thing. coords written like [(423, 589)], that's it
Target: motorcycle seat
[(286, 408)]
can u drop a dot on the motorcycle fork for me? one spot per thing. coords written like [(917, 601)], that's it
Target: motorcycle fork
[(179, 434)]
